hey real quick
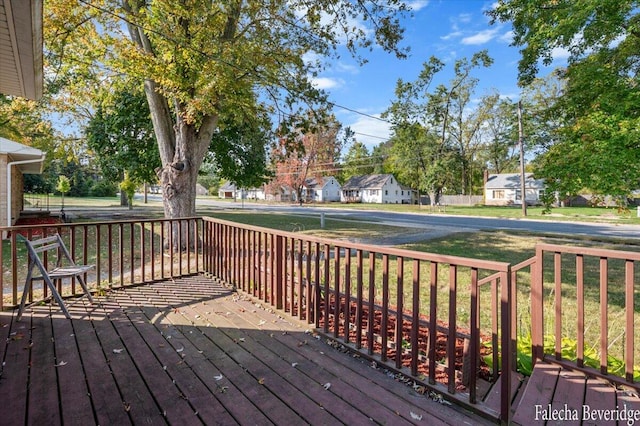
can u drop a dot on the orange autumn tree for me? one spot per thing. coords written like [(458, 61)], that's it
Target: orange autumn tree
[(305, 154)]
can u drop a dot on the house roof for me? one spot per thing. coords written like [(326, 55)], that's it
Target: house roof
[(512, 181), (228, 186), (21, 48), (317, 182), (18, 152), (366, 182)]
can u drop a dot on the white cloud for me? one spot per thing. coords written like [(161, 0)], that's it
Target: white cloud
[(506, 37), (560, 54), (346, 68), (324, 83), (454, 34), (417, 5), (481, 37), (311, 57), (370, 131), (464, 18)]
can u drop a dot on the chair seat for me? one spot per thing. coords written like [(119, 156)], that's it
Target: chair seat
[(66, 272)]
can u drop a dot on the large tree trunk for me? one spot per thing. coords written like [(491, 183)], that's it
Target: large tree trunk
[(182, 145)]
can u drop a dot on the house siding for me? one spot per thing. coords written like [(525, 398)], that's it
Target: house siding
[(384, 190), (3, 189), (503, 189)]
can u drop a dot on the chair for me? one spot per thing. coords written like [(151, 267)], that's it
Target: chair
[(65, 267)]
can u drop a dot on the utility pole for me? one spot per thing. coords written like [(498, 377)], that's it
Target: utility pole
[(523, 193)]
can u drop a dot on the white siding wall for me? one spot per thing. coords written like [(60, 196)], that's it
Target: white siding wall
[(391, 192), (3, 190)]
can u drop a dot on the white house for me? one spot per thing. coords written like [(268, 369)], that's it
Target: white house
[(15, 160), (228, 190), (380, 189), (505, 189), (322, 189)]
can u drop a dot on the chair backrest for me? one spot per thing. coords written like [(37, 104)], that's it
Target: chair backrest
[(47, 244)]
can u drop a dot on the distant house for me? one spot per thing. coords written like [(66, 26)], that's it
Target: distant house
[(256, 194), (323, 189), (227, 190), (201, 190), (504, 189), (380, 189), (16, 160)]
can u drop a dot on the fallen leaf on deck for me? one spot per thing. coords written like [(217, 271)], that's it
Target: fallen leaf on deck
[(262, 322), (327, 386), (118, 351), (415, 416), (218, 377), (60, 364), (261, 381), (294, 364), (180, 349)]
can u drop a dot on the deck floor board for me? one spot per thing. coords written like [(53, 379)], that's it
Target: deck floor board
[(192, 351), (557, 395)]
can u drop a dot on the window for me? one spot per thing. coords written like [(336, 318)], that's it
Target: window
[(386, 192), (518, 194), (540, 194), (498, 194)]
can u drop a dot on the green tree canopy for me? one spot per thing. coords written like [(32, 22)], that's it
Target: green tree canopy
[(596, 146), (120, 134), (200, 60), (357, 161)]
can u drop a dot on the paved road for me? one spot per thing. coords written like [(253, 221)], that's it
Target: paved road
[(437, 220)]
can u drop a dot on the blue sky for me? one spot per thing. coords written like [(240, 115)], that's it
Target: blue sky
[(447, 29)]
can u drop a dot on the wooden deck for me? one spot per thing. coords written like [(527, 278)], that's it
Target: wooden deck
[(191, 352), (555, 395)]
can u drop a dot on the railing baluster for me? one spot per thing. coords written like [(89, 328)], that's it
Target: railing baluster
[(557, 281), (604, 319), (495, 328), (580, 306), (347, 294), (399, 311), (372, 298), (327, 297), (629, 320), (336, 292), (415, 317), (452, 329), (143, 250), (110, 252), (385, 307), (359, 301), (433, 321), (300, 285), (474, 344)]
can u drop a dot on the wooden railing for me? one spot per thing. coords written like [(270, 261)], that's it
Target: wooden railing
[(124, 253), (597, 287), (410, 312), (444, 322)]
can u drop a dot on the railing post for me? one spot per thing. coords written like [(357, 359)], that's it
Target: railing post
[(506, 299), (537, 304), (279, 260)]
